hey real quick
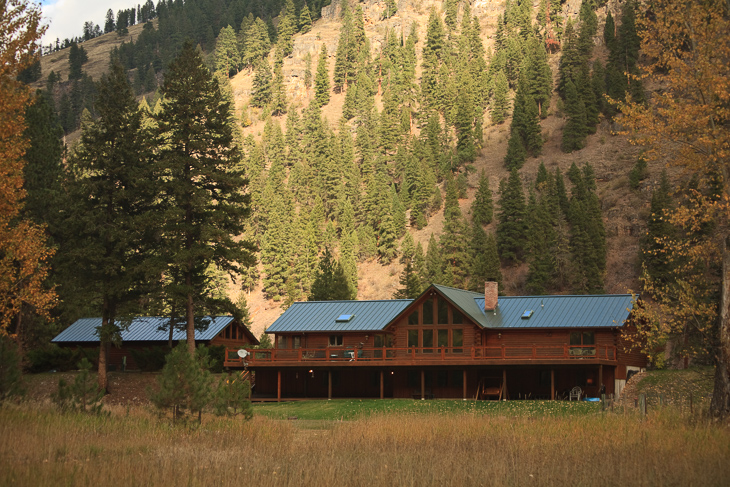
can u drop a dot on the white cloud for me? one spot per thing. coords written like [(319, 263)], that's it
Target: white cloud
[(65, 18)]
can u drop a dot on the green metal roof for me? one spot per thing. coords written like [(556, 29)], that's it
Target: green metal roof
[(589, 311), (322, 316), (581, 311), (147, 328)]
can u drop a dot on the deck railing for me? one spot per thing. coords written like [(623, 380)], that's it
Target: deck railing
[(313, 356)]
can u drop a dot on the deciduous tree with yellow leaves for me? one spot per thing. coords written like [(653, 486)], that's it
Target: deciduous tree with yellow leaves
[(686, 124), (23, 251)]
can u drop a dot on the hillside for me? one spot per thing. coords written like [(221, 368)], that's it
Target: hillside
[(611, 156), (625, 210)]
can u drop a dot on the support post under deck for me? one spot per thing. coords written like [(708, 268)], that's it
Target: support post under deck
[(552, 384), (423, 384)]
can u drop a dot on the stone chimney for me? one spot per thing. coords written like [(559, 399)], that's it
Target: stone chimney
[(490, 295)]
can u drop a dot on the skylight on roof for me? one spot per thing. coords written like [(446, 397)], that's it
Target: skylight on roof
[(526, 315), (344, 318)]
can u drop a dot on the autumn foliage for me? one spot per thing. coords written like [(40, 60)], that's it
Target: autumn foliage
[(686, 124), (23, 253)]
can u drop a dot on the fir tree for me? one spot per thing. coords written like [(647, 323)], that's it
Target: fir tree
[(183, 385), (227, 57), (584, 85), (109, 232), (525, 135), (278, 92), (483, 259), (516, 153), (500, 104), (286, 29), (76, 58), (261, 90), (322, 80), (43, 172), (410, 284), (574, 131), (391, 7), (588, 29), (308, 71), (330, 282), (482, 206), (433, 264), (305, 20), (275, 251), (541, 246), (512, 226), (454, 238), (655, 245), (199, 178), (408, 249), (539, 75)]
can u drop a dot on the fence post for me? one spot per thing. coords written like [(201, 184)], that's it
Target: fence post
[(603, 402), (642, 404), (691, 409)]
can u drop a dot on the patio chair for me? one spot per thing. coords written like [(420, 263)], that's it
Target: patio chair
[(576, 393)]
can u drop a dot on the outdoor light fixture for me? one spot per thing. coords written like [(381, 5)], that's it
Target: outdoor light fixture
[(499, 335)]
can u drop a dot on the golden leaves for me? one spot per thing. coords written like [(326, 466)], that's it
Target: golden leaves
[(23, 252)]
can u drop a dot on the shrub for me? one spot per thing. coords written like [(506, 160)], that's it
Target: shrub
[(183, 385), (213, 356), (232, 397), (150, 359), (638, 173), (53, 357), (11, 383), (83, 394)]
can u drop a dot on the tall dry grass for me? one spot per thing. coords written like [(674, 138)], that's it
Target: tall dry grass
[(43, 447)]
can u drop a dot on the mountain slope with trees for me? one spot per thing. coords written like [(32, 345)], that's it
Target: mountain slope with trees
[(399, 144)]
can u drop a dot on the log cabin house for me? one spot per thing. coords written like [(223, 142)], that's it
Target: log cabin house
[(447, 343), (147, 332)]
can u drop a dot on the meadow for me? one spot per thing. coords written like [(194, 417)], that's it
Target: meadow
[(350, 442)]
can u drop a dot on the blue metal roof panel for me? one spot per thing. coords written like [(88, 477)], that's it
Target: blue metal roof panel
[(321, 316), (143, 328), (589, 311)]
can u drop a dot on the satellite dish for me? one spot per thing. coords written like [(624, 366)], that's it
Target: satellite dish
[(243, 353)]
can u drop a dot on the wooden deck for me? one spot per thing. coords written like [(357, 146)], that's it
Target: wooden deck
[(434, 356)]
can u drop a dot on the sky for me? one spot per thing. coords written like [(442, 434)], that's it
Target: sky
[(65, 18)]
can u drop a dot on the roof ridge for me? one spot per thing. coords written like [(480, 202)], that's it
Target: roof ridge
[(569, 296), (455, 288), (354, 301)]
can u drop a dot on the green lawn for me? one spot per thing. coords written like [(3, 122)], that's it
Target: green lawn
[(349, 409)]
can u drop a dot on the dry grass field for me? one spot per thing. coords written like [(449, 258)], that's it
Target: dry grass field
[(39, 446)]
